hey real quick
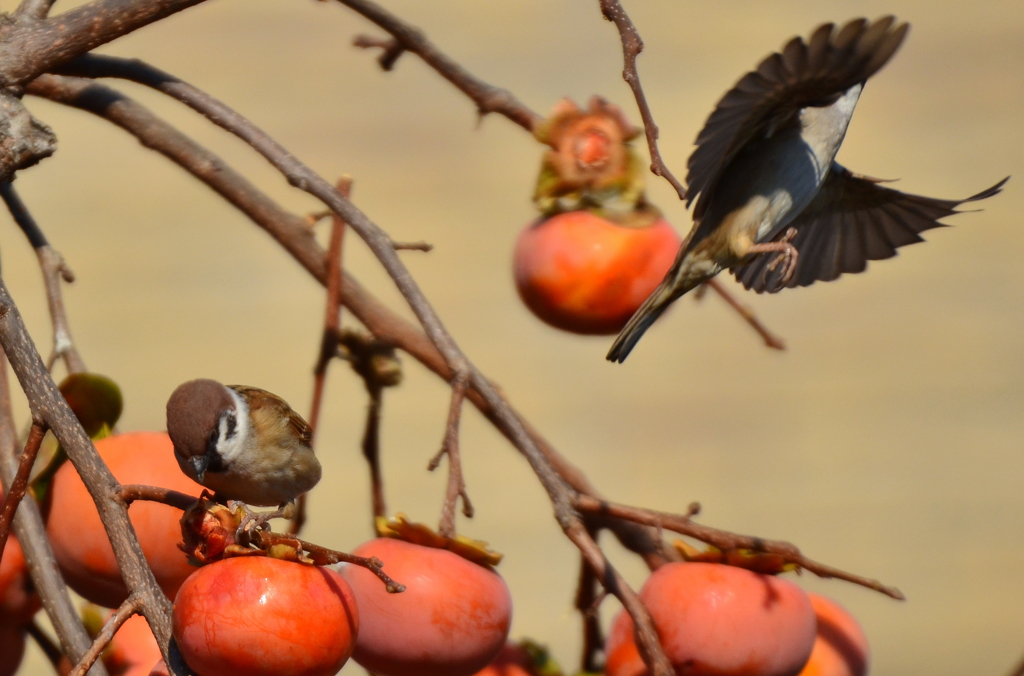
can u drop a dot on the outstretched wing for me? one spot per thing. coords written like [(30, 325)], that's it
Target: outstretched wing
[(261, 399), (852, 220), (811, 73)]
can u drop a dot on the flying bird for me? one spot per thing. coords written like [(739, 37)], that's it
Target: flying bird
[(772, 204), (244, 443)]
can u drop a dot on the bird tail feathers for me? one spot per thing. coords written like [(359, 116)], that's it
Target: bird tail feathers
[(641, 320)]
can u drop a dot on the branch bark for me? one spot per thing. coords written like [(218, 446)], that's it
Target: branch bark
[(31, 533), (632, 45), (48, 405), (30, 48), (488, 98)]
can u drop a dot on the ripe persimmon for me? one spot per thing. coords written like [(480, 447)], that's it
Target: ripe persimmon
[(583, 273), (79, 540), (840, 648), (717, 620), (451, 620), (18, 599), (259, 616)]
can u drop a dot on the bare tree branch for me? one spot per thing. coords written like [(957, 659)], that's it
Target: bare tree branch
[(632, 45), (129, 493), (31, 533), (28, 49), (488, 98), (127, 610), (47, 404), (725, 541), (450, 447), (770, 339), (54, 271)]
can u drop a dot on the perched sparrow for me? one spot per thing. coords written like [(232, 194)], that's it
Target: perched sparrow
[(772, 204), (243, 442)]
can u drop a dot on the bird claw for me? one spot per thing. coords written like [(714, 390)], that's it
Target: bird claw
[(252, 520), (787, 258)]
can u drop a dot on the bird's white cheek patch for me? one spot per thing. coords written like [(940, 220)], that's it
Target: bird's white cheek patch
[(231, 448)]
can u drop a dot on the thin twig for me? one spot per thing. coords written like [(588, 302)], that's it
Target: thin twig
[(127, 610), (488, 98), (332, 312), (326, 557), (587, 599), (328, 339), (412, 246), (770, 339), (129, 493), (31, 533), (450, 447), (54, 270), (20, 483), (727, 541), (632, 45)]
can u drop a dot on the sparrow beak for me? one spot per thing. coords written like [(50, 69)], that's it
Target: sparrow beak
[(200, 462)]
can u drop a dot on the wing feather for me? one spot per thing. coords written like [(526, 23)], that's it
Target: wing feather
[(852, 220), (811, 73)]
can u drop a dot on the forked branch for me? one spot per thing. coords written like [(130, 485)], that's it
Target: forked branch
[(632, 45)]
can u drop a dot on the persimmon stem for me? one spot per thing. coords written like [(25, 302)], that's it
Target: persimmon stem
[(129, 493), (322, 556)]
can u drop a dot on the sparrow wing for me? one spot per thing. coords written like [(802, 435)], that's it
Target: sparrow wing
[(852, 220), (278, 408), (803, 74)]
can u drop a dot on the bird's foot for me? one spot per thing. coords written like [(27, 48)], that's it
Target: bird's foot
[(253, 520), (787, 258)]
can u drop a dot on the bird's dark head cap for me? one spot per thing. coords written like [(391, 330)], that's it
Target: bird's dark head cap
[(193, 415)]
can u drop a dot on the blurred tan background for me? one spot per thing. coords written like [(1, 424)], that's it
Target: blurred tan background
[(887, 440)]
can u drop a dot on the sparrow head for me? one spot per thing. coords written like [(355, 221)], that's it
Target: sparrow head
[(206, 423)]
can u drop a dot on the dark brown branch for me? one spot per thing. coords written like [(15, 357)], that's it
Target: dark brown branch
[(127, 610), (726, 541), (47, 404), (322, 556), (28, 49), (488, 98), (20, 484), (770, 339), (632, 45), (587, 602), (54, 271), (1019, 669), (46, 644), (31, 533), (390, 50), (129, 493), (450, 447)]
